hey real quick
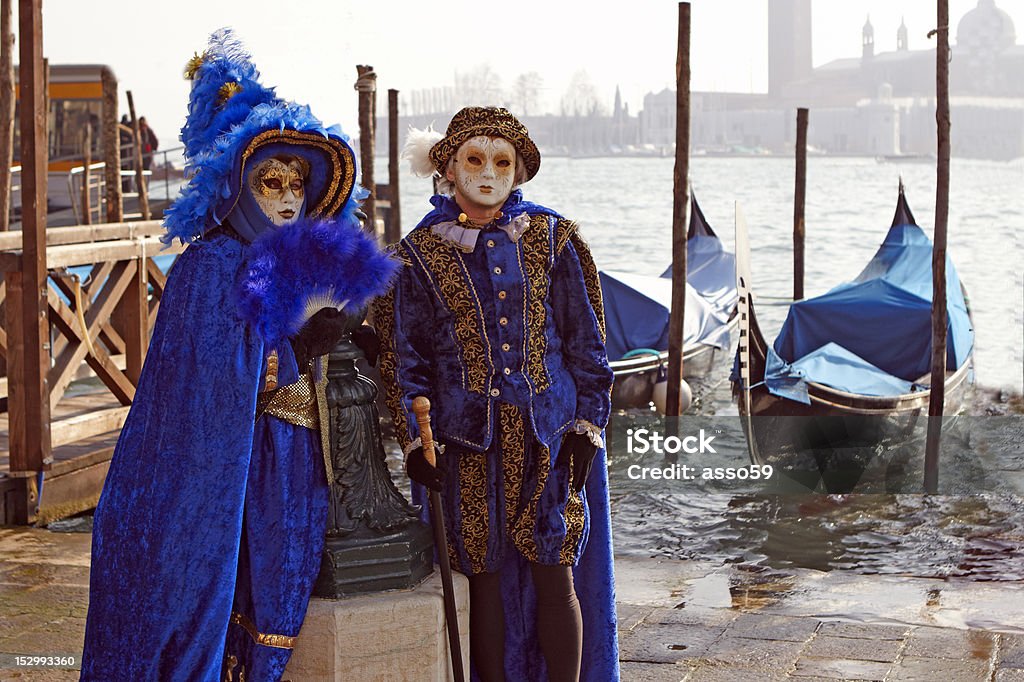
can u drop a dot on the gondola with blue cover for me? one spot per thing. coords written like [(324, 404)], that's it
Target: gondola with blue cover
[(850, 368)]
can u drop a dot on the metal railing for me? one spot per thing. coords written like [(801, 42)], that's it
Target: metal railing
[(163, 183)]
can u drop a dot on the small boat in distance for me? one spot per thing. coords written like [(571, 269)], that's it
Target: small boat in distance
[(637, 316), (849, 371)]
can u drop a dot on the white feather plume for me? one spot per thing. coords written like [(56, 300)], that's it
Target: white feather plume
[(417, 150)]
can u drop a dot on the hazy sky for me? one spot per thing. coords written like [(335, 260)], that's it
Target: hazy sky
[(310, 49)]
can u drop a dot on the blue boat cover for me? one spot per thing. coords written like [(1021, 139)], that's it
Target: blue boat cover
[(637, 306), (872, 336), (636, 309)]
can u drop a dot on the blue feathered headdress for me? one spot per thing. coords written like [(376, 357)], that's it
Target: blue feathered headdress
[(230, 116)]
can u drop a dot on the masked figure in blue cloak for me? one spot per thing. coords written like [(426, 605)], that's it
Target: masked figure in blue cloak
[(208, 534), (496, 317)]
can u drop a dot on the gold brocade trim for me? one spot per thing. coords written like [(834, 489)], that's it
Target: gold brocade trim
[(445, 266), (270, 381), (473, 505), (383, 310), (575, 520), (295, 403), (535, 262), (522, 517), (564, 229), (261, 638), (320, 388), (590, 278), (343, 178)]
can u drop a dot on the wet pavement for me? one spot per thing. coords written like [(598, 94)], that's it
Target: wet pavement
[(679, 620)]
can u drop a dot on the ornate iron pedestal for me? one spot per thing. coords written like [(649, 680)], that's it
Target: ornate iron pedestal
[(375, 540)]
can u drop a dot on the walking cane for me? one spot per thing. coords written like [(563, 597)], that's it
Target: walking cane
[(421, 407)]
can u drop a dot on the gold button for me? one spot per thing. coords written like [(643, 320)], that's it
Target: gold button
[(497, 271), (503, 321), (502, 295), (507, 371), (505, 347), (495, 393), (490, 243)]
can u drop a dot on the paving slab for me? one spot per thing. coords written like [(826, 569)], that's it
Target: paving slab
[(652, 672), (733, 673), (693, 616), (951, 644), (666, 643), (773, 656), (824, 646), (839, 669), (1011, 651), (935, 669), (631, 615), (834, 628), (1009, 675), (776, 628)]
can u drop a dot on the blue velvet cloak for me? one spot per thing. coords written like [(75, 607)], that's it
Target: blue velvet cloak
[(164, 562)]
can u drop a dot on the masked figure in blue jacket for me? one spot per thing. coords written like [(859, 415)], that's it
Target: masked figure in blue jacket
[(209, 531), (496, 317)]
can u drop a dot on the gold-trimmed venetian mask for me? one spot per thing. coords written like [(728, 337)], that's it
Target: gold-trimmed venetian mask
[(484, 171), (278, 185)]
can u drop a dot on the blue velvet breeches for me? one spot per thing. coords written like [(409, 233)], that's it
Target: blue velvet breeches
[(509, 498)]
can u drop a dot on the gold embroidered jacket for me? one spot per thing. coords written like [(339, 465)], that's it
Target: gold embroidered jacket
[(510, 314)]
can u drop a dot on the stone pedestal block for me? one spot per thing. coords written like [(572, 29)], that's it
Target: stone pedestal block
[(396, 636)]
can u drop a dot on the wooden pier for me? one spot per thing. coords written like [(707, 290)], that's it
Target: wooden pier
[(98, 329)]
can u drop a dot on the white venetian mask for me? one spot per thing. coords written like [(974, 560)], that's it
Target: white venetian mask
[(484, 172), (278, 185)]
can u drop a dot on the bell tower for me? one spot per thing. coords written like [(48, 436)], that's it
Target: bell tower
[(868, 40), (901, 37), (789, 43)]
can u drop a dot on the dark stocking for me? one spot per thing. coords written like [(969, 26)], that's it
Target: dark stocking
[(559, 623), (487, 626)]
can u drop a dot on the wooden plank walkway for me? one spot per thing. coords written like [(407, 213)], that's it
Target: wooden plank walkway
[(75, 479)]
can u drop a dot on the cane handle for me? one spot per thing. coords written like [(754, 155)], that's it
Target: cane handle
[(421, 408)]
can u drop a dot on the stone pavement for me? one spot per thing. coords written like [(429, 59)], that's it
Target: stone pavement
[(689, 622), (678, 620)]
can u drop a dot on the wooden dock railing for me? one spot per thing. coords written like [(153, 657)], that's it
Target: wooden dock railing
[(103, 293)]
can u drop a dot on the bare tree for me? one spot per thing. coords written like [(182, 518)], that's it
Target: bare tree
[(526, 93), (480, 86), (581, 98)]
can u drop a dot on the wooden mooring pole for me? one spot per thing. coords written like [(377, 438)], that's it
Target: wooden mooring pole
[(681, 204), (87, 176), (140, 177), (111, 148), (799, 203), (6, 109), (939, 320), (366, 85), (29, 344), (394, 226)]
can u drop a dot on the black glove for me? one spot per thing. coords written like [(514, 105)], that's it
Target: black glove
[(582, 452), (419, 470), (366, 339), (318, 336)]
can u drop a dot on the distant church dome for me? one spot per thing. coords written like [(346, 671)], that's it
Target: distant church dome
[(986, 27)]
